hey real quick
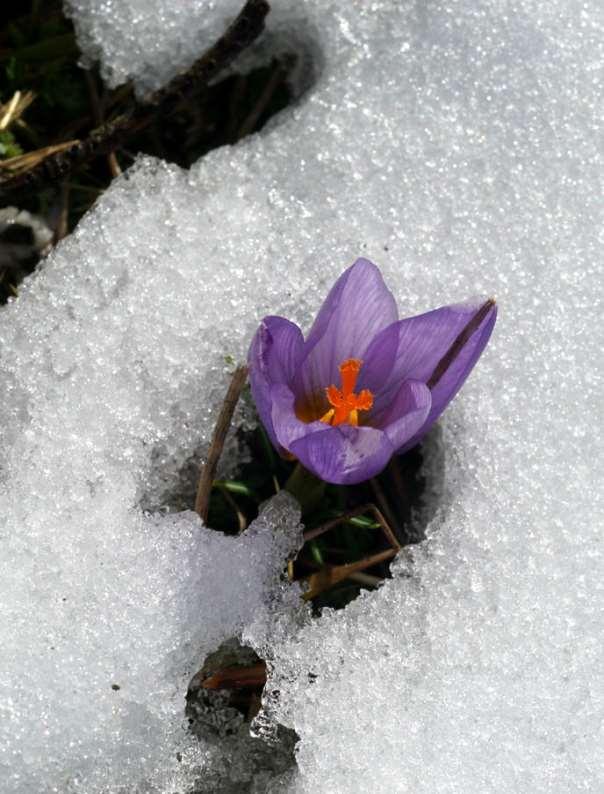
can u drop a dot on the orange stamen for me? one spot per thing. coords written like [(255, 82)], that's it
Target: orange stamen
[(349, 372), (345, 403)]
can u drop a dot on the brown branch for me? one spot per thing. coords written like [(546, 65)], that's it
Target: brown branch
[(380, 495), (223, 423), (99, 119), (237, 677), (63, 220), (311, 534), (241, 33), (329, 576)]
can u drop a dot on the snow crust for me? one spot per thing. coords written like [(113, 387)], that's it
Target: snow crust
[(456, 144), (149, 41)]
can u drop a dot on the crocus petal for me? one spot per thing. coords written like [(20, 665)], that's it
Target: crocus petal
[(379, 359), (358, 306), (439, 348), (286, 425), (405, 415), (274, 358), (344, 455)]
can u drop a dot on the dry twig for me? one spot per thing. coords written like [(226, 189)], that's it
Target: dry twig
[(14, 108), (30, 161), (237, 677), (99, 119), (330, 575), (311, 534), (63, 219), (208, 470)]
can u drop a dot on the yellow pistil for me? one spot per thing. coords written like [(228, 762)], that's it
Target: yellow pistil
[(345, 403)]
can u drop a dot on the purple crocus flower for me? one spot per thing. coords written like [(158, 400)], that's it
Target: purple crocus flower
[(364, 385)]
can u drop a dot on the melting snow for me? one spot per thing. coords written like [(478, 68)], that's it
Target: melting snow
[(456, 145)]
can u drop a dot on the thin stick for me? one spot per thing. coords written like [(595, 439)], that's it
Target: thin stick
[(31, 160), (99, 119), (365, 579), (63, 221), (237, 677), (401, 487), (10, 110), (328, 577), (311, 534), (208, 470), (114, 166), (380, 496)]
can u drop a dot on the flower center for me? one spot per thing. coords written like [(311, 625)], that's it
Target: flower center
[(345, 403)]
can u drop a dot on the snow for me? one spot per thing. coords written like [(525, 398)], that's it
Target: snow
[(149, 41), (110, 614), (456, 144)]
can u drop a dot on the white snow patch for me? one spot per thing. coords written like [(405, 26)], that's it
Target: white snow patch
[(149, 41), (457, 145)]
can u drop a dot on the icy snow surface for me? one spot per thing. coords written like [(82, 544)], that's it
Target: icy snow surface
[(148, 40), (456, 145)]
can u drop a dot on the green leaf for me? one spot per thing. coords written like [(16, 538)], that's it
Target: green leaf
[(316, 553), (236, 487), (8, 145), (363, 522), (11, 68)]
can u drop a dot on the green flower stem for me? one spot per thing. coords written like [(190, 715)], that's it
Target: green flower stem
[(306, 488)]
